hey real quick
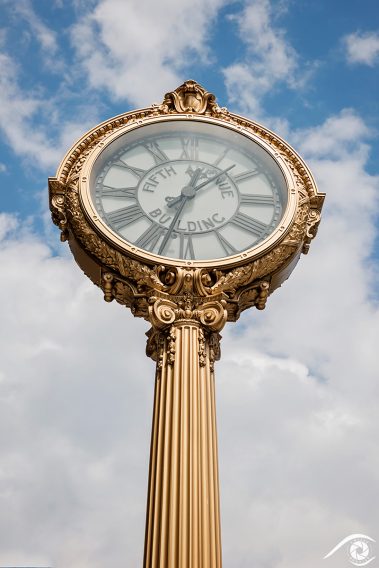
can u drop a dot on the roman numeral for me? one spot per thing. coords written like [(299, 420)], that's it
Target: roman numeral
[(228, 248), (221, 157), (186, 250), (129, 192), (253, 199), (124, 216), (246, 175), (157, 153), (136, 171), (148, 240), (190, 148), (249, 224)]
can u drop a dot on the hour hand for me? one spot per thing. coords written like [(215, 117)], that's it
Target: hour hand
[(169, 199)]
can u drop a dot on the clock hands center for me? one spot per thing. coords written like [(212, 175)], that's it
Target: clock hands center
[(186, 194), (189, 191)]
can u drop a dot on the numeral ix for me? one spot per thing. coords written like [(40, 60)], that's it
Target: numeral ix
[(129, 192)]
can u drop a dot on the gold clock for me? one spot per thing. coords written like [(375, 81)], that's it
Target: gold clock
[(185, 184)]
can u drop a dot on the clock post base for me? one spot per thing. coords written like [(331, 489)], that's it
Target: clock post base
[(183, 513)]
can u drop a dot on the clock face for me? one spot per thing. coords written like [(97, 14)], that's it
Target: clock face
[(188, 190)]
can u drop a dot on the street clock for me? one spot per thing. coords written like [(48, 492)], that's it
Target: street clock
[(187, 214)]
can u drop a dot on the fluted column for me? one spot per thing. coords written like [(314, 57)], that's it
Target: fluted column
[(183, 511)]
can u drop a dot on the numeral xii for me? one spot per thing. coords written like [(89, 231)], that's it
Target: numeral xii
[(190, 148)]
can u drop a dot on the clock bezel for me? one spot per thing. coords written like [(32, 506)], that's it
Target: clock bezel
[(129, 249)]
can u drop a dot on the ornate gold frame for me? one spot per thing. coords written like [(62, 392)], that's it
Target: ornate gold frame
[(114, 240), (130, 275)]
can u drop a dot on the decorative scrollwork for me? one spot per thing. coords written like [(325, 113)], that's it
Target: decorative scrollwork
[(126, 294), (155, 346), (189, 97), (213, 315), (313, 222), (165, 316), (164, 312), (108, 287), (214, 349), (202, 350), (171, 347), (255, 294), (264, 288), (195, 293), (57, 205), (244, 275), (265, 265), (110, 257), (182, 280)]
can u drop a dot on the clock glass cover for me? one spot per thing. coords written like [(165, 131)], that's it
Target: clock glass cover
[(188, 190)]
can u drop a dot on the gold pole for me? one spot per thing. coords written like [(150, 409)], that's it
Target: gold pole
[(183, 511)]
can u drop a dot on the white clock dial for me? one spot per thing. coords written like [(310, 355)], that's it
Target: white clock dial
[(188, 190)]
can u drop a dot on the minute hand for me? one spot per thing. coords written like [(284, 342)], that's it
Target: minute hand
[(183, 198), (175, 201)]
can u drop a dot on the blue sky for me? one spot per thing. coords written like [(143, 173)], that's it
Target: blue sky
[(297, 384), (47, 72)]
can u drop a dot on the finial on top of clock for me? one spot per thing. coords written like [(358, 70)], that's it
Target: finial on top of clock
[(190, 97)]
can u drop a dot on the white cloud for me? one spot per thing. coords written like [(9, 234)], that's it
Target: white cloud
[(75, 415), (336, 137), (296, 387), (299, 415), (362, 47), (297, 384), (45, 36), (291, 451), (8, 223), (16, 109), (140, 57), (33, 125), (270, 59), (33, 31)]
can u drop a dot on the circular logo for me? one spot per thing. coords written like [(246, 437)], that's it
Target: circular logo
[(359, 552)]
